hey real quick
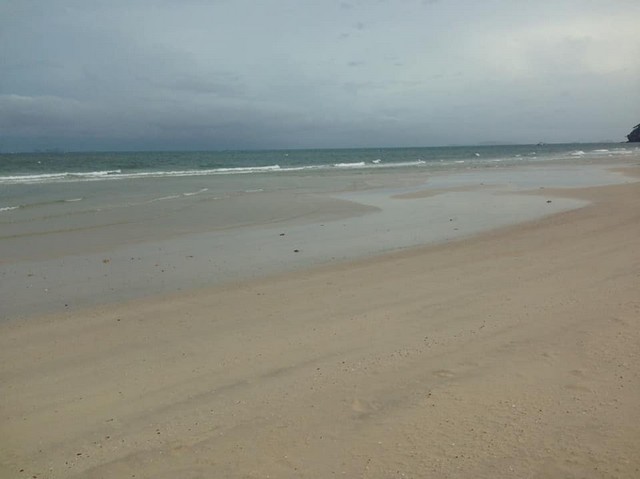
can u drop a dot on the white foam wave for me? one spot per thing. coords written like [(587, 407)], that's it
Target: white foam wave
[(248, 169), (193, 193), (162, 198), (402, 164), (95, 174), (9, 208), (601, 152), (622, 151), (213, 171), (359, 164), (119, 175), (73, 200), (50, 177)]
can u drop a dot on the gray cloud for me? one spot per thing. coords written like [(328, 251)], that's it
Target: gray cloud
[(291, 73)]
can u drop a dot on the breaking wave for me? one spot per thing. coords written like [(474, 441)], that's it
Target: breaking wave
[(119, 175)]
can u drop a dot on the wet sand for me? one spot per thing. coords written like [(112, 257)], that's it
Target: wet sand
[(69, 256), (509, 353)]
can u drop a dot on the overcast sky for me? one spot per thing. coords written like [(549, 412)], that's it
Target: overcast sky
[(219, 74)]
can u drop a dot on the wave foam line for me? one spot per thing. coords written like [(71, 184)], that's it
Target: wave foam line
[(359, 164), (193, 193), (42, 178), (118, 175), (162, 198), (400, 164)]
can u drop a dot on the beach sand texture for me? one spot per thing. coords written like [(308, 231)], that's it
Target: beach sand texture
[(513, 353)]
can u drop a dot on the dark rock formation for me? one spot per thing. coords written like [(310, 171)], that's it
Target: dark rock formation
[(634, 136)]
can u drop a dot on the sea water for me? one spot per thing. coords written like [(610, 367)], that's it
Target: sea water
[(45, 184), (39, 168)]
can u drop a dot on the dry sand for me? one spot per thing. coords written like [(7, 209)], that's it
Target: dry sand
[(511, 354)]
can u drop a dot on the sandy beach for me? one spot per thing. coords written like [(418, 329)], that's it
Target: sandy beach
[(311, 240), (507, 353)]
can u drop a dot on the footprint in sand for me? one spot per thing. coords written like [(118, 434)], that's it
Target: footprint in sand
[(578, 373), (444, 373), (577, 387), (362, 407)]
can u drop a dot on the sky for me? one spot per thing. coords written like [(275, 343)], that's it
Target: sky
[(239, 74)]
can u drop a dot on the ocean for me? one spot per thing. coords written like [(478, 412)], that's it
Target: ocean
[(36, 181), (39, 168)]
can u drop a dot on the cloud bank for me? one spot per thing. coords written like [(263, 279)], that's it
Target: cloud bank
[(223, 74)]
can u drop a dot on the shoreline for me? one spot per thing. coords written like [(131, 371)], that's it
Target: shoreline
[(304, 232), (511, 352)]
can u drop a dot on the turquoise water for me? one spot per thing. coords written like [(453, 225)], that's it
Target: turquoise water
[(35, 168)]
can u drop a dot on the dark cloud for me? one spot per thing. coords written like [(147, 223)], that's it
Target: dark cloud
[(240, 74)]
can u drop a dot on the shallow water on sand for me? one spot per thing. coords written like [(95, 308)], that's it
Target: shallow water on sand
[(88, 243)]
